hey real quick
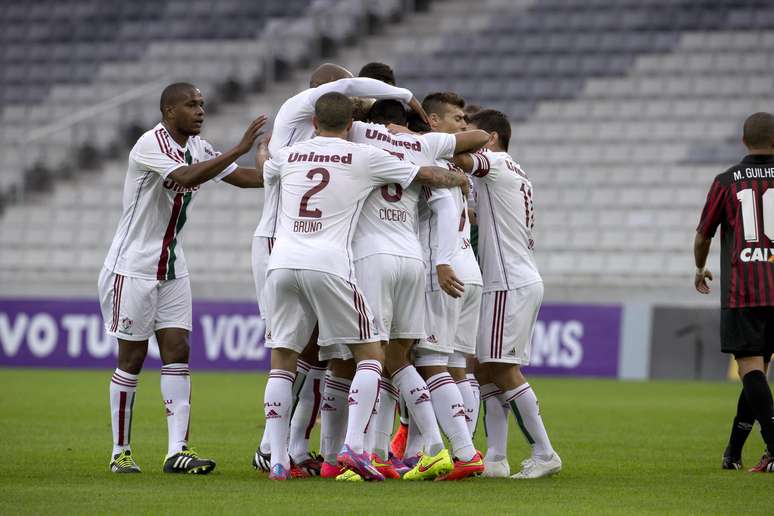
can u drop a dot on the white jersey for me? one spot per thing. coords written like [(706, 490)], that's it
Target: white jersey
[(324, 183), (505, 221), (388, 222), (147, 243), (462, 259), (293, 124), (464, 263)]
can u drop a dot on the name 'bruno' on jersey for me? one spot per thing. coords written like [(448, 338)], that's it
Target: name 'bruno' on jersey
[(505, 220), (388, 222), (147, 243), (324, 183), (741, 202)]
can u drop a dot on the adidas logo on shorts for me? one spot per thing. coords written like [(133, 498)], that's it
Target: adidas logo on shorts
[(272, 414)]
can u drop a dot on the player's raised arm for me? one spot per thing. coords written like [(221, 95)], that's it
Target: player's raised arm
[(469, 141), (371, 88), (437, 177), (198, 173), (246, 177)]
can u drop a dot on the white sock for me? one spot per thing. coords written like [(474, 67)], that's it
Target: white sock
[(385, 419), (415, 441), (277, 402), (333, 417), (369, 437), (450, 412), (420, 406), (123, 387), (469, 399), (307, 407), (495, 423), (477, 399), (362, 399), (176, 393), (525, 408), (265, 444)]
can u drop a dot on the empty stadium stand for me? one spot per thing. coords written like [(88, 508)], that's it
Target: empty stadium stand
[(622, 110)]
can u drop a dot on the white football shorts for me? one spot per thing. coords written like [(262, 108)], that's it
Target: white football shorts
[(298, 299), (134, 308), (467, 323), (507, 322), (261, 250), (394, 287), (442, 314)]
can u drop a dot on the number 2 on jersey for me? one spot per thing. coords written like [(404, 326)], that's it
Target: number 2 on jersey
[(303, 209), (750, 213)]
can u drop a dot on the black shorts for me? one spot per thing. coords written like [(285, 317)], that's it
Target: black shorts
[(747, 332)]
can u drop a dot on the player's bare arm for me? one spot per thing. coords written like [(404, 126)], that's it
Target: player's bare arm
[(463, 162), (245, 177), (198, 173), (469, 141), (701, 247), (438, 177)]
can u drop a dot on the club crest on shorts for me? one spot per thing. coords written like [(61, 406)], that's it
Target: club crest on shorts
[(124, 324)]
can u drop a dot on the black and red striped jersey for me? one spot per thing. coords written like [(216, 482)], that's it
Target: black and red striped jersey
[(741, 202)]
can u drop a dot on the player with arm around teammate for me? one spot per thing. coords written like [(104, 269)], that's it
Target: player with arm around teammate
[(741, 202), (513, 292), (390, 271), (440, 356), (293, 124), (324, 182), (143, 286)]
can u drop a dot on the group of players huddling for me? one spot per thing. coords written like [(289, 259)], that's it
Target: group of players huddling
[(365, 275)]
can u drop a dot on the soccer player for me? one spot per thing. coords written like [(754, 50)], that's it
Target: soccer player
[(741, 202), (323, 183), (144, 287), (513, 291), (450, 322), (379, 71), (293, 124), (390, 271)]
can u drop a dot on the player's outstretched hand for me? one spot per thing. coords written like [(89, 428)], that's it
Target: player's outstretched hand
[(700, 281), (262, 154), (416, 107), (252, 132), (449, 281)]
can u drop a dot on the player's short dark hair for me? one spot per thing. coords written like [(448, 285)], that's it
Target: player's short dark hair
[(493, 121), (173, 93), (758, 132), (415, 123), (379, 71), (387, 111), (437, 102), (333, 111), (470, 110)]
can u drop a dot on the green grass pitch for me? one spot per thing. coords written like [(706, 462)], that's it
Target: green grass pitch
[(628, 448)]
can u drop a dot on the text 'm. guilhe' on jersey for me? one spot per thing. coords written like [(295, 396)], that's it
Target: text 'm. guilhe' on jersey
[(741, 202), (388, 223), (323, 185), (505, 220)]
